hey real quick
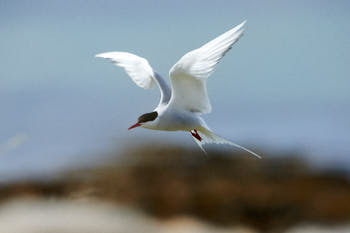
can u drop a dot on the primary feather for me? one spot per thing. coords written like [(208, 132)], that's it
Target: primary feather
[(189, 74), (139, 71), (136, 67)]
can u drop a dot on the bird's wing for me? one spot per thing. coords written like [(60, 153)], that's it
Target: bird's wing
[(140, 72), (189, 74)]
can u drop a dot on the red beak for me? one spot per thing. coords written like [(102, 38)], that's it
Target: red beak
[(134, 126)]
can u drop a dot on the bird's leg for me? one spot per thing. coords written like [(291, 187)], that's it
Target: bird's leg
[(196, 135)]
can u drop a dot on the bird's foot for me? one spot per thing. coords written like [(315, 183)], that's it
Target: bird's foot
[(195, 134)]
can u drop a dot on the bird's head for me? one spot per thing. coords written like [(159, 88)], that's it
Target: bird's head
[(146, 120)]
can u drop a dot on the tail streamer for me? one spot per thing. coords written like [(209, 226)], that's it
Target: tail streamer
[(208, 137)]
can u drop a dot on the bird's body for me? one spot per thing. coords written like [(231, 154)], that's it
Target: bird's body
[(181, 106), (174, 120)]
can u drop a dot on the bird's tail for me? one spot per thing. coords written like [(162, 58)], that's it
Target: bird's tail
[(208, 137)]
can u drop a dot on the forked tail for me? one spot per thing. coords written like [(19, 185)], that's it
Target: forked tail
[(204, 136)]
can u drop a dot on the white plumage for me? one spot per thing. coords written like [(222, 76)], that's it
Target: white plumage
[(181, 105), (136, 67)]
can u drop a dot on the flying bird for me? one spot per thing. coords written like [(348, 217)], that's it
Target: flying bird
[(181, 105)]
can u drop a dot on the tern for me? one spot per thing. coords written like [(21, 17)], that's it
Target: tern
[(181, 105)]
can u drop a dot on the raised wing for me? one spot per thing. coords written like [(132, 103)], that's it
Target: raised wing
[(189, 74), (139, 71)]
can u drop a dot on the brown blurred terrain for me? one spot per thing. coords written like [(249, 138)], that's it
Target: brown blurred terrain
[(224, 189)]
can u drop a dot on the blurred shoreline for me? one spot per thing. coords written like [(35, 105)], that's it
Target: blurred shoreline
[(224, 189)]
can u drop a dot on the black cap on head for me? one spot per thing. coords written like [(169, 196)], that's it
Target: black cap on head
[(148, 117)]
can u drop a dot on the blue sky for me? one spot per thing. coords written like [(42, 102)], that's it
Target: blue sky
[(284, 85)]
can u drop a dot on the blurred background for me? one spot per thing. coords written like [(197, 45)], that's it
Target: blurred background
[(283, 91)]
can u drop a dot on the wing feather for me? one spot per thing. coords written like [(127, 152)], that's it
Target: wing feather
[(136, 67), (189, 74), (139, 71)]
